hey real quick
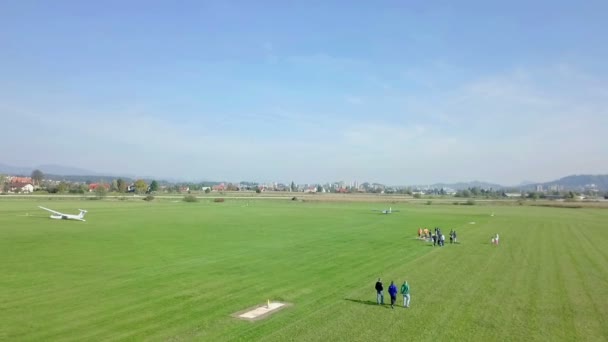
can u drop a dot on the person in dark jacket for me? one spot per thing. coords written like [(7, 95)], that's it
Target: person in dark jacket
[(392, 290), (379, 293)]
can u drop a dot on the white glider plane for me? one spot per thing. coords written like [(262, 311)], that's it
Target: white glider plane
[(387, 211), (61, 216)]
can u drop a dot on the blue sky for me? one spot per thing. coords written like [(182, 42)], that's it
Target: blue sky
[(389, 91)]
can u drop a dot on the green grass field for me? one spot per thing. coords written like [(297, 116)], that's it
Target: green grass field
[(177, 271)]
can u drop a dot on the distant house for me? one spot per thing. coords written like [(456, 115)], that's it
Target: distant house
[(184, 188), (20, 180), (220, 187), (512, 194), (21, 187), (449, 191), (94, 186)]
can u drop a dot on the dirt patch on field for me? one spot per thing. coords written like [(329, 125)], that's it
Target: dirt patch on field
[(261, 311)]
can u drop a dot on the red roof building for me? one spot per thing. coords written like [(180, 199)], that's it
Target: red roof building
[(24, 180), (94, 186), (220, 187)]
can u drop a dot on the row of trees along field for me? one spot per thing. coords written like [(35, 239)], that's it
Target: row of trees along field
[(118, 185)]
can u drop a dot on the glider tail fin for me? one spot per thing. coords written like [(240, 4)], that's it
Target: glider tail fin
[(82, 212)]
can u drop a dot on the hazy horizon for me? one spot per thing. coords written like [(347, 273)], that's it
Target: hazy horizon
[(69, 170), (382, 92)]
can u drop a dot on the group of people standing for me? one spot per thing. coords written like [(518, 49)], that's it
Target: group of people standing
[(392, 291), (437, 236)]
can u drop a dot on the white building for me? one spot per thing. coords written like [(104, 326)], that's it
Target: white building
[(513, 194), (22, 187)]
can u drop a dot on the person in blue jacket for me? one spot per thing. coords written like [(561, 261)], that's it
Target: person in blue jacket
[(392, 290)]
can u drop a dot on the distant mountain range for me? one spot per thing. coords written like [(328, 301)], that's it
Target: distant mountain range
[(573, 182), (47, 169), (74, 174), (59, 172), (14, 170)]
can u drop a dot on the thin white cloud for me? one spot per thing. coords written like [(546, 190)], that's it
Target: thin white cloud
[(326, 61), (353, 100)]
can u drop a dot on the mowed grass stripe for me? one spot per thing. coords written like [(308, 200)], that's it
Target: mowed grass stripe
[(577, 296), (448, 275), (587, 292)]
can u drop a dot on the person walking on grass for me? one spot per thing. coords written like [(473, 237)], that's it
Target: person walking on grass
[(405, 291), (379, 293), (392, 290)]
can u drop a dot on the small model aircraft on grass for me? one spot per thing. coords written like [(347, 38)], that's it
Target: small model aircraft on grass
[(387, 211), (61, 216)]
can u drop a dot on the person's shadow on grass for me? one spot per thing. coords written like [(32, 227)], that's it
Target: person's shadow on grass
[(365, 302)]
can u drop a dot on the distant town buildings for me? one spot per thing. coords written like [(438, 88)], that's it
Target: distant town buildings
[(556, 187), (82, 184)]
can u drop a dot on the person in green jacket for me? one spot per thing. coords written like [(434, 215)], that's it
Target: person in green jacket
[(405, 291)]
